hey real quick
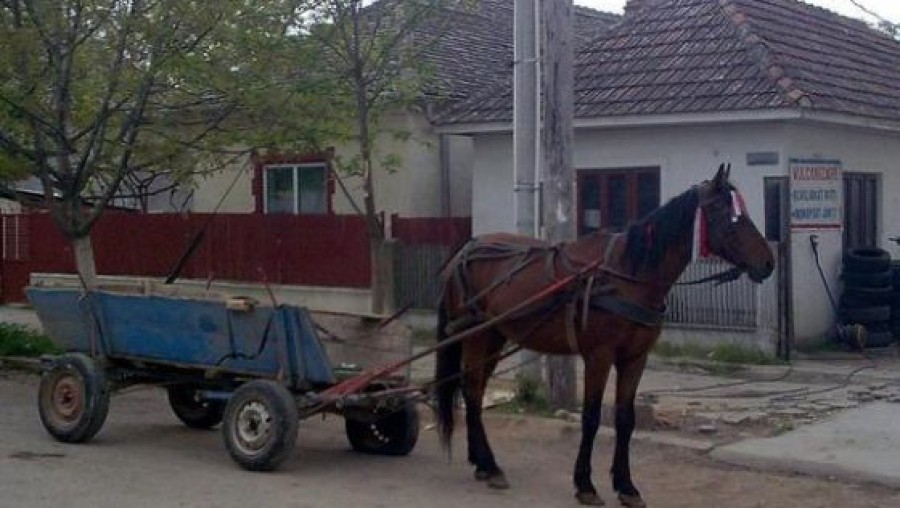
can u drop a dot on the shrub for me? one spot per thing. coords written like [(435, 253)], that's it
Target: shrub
[(18, 340)]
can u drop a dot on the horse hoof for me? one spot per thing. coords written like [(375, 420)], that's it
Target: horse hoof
[(589, 499), (632, 501), (494, 479), (498, 481)]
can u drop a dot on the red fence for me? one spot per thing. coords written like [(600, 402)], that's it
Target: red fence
[(449, 232), (328, 251)]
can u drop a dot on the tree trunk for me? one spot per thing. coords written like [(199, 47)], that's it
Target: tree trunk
[(84, 261), (382, 255)]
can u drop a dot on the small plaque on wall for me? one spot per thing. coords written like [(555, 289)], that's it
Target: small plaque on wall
[(816, 194)]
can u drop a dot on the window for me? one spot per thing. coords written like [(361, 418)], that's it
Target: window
[(611, 198), (296, 188)]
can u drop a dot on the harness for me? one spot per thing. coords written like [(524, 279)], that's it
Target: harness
[(592, 290)]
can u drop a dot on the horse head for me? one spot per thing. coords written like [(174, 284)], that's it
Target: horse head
[(730, 234)]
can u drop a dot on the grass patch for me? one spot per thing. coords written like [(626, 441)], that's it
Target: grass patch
[(530, 398), (827, 345), (18, 340), (724, 353)]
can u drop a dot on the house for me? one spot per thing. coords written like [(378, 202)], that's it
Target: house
[(804, 103), (473, 53)]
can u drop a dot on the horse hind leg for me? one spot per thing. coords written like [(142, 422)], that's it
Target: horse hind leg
[(627, 379), (480, 358)]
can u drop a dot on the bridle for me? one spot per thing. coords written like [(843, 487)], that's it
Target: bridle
[(709, 208)]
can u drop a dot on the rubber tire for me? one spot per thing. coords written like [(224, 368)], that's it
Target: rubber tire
[(90, 381), (895, 274), (856, 297), (879, 338), (394, 433), (196, 414), (866, 315), (868, 280), (281, 411), (866, 260)]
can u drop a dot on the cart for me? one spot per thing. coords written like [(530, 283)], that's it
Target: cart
[(257, 369)]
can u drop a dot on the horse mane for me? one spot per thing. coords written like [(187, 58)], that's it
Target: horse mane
[(650, 238)]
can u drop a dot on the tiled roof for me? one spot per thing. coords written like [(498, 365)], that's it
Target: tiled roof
[(475, 47), (698, 56)]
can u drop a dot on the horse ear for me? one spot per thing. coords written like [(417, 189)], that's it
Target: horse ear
[(722, 176)]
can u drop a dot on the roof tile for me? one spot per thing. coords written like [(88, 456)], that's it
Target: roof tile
[(693, 56)]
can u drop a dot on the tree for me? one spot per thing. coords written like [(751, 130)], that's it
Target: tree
[(96, 93), (376, 54)]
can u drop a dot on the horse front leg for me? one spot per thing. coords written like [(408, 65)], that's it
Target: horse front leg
[(480, 365), (596, 372), (628, 375)]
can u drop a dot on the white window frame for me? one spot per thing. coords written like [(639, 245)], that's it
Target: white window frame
[(296, 187)]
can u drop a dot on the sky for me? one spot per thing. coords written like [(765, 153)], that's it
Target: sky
[(887, 9)]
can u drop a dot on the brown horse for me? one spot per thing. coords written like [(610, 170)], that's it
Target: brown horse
[(608, 309)]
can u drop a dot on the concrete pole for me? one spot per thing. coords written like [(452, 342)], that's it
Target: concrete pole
[(526, 108), (557, 170)]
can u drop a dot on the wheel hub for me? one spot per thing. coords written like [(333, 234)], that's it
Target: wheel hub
[(254, 423), (67, 398)]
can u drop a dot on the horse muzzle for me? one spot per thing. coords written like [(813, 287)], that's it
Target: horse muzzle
[(760, 273)]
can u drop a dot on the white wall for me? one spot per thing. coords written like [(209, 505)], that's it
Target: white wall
[(859, 151), (209, 190), (687, 155), (414, 190)]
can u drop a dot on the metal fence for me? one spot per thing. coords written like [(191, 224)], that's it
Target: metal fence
[(739, 305), (416, 270)]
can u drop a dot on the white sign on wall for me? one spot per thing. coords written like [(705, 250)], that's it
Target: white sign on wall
[(817, 192)]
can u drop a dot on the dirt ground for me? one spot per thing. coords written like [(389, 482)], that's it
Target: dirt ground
[(144, 457)]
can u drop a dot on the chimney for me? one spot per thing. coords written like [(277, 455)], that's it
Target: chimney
[(633, 7)]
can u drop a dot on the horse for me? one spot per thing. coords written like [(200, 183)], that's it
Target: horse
[(607, 305)]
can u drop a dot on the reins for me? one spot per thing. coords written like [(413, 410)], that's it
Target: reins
[(724, 277)]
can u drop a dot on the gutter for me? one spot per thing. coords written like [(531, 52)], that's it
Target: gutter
[(688, 119)]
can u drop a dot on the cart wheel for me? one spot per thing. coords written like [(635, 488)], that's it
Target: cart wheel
[(260, 426), (192, 410), (387, 433), (73, 399)]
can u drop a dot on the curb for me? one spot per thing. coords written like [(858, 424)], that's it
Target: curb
[(798, 465), (790, 373)]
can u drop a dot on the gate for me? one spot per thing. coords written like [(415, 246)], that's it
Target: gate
[(14, 237)]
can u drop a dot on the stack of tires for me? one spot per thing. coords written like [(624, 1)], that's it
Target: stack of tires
[(868, 294), (895, 299)]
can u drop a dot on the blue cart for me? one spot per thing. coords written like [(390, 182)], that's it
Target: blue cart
[(257, 369)]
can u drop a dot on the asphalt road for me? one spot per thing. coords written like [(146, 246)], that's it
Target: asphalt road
[(143, 457)]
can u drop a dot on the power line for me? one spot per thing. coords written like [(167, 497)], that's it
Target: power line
[(870, 12)]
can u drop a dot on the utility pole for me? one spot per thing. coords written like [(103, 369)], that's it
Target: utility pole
[(558, 173), (526, 111)]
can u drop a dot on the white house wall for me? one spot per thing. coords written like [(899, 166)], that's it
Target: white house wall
[(416, 189), (859, 151), (209, 190), (685, 156), (688, 154)]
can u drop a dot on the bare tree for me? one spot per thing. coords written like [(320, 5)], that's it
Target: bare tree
[(376, 53)]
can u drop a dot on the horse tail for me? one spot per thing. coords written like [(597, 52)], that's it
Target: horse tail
[(447, 379)]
